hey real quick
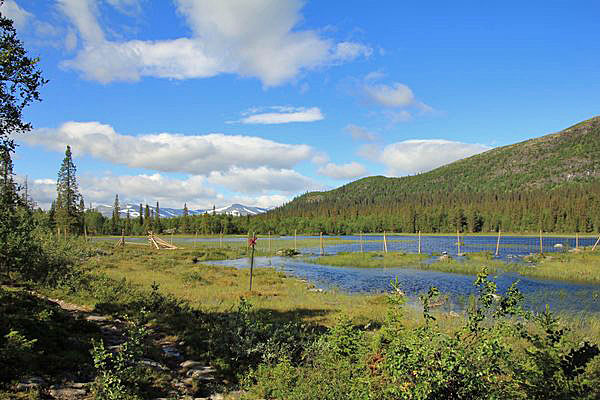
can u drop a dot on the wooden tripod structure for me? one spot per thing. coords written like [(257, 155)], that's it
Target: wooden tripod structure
[(158, 243)]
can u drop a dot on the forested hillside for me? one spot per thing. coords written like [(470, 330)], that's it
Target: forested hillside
[(549, 183)]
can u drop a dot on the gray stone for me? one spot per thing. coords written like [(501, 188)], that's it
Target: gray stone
[(153, 364), (189, 364), (97, 318), (67, 393), (171, 351)]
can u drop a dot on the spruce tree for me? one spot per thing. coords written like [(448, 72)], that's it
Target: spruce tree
[(141, 217), (115, 222), (20, 81), (67, 203), (157, 225), (185, 220), (147, 220)]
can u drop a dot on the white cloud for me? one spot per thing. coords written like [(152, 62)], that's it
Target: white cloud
[(359, 133), (169, 192), (44, 181), (413, 156), (264, 201), (343, 171), (346, 51), (396, 95), (168, 152), (287, 115), (374, 76), (251, 39), (370, 151), (129, 7), (398, 99), (13, 11), (262, 179)]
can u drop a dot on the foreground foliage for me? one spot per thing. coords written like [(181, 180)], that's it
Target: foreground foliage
[(501, 352)]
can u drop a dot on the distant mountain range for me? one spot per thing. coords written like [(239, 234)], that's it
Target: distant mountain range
[(165, 212)]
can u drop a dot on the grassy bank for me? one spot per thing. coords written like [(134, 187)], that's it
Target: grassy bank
[(581, 266)]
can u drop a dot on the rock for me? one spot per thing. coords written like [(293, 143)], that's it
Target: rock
[(79, 385), (197, 372), (558, 246), (35, 382), (191, 364), (153, 364), (67, 393), (97, 318), (316, 290), (171, 351)]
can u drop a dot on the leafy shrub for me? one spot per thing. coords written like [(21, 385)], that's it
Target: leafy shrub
[(118, 374), (501, 352)]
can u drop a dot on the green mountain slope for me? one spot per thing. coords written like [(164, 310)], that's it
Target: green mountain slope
[(556, 175)]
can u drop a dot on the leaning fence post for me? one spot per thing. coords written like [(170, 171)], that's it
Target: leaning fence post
[(384, 243), (498, 243), (252, 244), (596, 244)]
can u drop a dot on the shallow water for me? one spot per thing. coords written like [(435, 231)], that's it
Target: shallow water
[(511, 247), (560, 296)]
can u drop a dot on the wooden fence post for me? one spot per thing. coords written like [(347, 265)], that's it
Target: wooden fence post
[(498, 243), (321, 241), (541, 243), (384, 243), (457, 242), (419, 242), (361, 242)]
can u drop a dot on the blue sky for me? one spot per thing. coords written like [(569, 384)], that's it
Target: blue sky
[(215, 102)]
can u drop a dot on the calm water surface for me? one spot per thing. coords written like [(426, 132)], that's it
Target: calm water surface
[(561, 296)]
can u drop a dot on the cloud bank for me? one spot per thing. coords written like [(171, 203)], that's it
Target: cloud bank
[(169, 152), (284, 115), (248, 38), (343, 171), (414, 156)]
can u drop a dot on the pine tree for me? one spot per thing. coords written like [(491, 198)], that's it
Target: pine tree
[(157, 226), (185, 220), (141, 217), (147, 220), (67, 211), (115, 222)]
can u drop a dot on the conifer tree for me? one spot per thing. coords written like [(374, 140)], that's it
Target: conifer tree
[(115, 221), (157, 225), (68, 199), (141, 217), (147, 220), (20, 81), (185, 222)]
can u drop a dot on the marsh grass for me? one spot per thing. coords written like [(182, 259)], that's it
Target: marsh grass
[(217, 288), (371, 259), (581, 266)]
